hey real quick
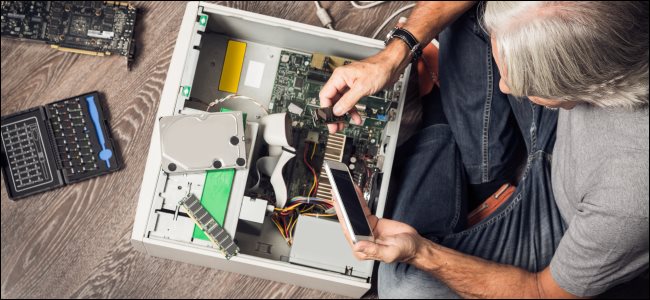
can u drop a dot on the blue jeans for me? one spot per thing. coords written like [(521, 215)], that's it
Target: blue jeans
[(479, 144)]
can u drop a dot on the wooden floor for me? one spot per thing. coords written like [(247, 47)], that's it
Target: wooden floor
[(74, 241)]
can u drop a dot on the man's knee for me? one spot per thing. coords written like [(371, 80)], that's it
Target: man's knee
[(403, 281)]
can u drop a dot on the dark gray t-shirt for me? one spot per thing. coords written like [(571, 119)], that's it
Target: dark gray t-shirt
[(600, 183)]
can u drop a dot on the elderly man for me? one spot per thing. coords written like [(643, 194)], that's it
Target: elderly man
[(534, 78)]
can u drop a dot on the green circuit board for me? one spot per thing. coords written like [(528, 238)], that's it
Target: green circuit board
[(298, 82)]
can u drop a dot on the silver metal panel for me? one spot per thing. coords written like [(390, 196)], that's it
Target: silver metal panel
[(320, 243), (172, 227), (262, 240), (179, 186), (260, 268)]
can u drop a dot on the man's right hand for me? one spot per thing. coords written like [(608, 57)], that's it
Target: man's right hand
[(352, 82)]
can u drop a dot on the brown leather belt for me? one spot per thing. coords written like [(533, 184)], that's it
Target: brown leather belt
[(490, 205)]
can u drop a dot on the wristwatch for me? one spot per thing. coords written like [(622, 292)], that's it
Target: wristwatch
[(408, 38)]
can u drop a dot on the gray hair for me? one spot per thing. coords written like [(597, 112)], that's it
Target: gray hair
[(595, 52)]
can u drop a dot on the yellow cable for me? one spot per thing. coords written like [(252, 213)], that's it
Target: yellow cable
[(313, 185), (292, 224), (292, 207), (279, 228), (319, 215)]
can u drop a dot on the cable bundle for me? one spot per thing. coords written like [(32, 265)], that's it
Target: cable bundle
[(285, 219)]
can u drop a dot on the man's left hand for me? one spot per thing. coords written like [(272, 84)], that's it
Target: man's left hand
[(393, 241)]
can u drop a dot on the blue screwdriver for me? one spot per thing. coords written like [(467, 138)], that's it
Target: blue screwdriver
[(105, 154)]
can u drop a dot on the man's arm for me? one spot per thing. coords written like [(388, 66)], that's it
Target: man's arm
[(426, 21), (469, 276), (473, 277), (429, 18), (352, 82)]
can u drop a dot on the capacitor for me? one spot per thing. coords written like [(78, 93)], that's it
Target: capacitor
[(353, 159), (351, 167)]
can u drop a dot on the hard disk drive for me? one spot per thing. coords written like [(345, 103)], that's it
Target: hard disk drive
[(194, 143)]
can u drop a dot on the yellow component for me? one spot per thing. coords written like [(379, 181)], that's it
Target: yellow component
[(232, 66), (79, 51)]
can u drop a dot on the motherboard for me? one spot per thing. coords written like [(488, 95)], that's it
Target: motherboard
[(299, 80), (87, 27)]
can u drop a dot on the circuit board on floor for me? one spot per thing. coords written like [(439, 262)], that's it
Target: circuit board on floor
[(299, 80), (87, 27)]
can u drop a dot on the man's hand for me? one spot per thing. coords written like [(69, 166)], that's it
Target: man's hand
[(352, 82), (394, 241)]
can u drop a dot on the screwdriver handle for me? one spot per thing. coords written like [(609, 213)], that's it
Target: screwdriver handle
[(105, 154)]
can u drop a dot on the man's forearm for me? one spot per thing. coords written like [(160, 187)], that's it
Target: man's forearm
[(426, 21), (429, 18), (473, 277)]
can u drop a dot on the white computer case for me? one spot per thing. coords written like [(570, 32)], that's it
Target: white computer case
[(277, 33)]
